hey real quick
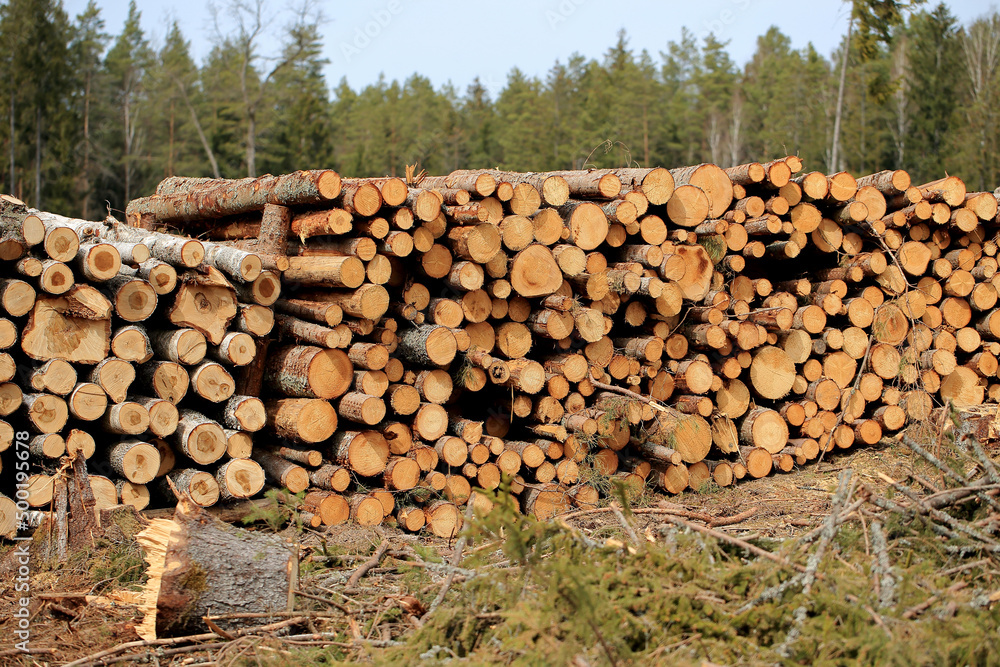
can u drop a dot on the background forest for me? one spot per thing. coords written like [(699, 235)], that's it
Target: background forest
[(96, 116)]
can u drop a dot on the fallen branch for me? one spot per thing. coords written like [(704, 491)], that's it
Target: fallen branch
[(763, 553), (100, 658), (371, 563), (916, 610)]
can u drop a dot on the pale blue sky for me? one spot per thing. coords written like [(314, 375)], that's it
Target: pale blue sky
[(456, 40)]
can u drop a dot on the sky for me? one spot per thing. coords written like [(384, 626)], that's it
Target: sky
[(458, 40)]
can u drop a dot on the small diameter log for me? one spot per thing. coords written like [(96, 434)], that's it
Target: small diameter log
[(401, 474), (239, 444), (236, 348), (239, 479), (182, 346), (165, 379), (130, 493), (79, 441), (366, 510), (200, 486), (328, 314), (212, 381), (331, 508), (16, 297), (199, 438), (161, 415), (132, 343), (766, 429), (443, 519), (301, 419), (254, 319), (50, 446), (135, 460), (309, 372), (306, 457), (55, 376), (98, 262), (330, 476), (282, 472), (86, 402), (133, 298), (159, 274), (126, 418), (366, 453), (427, 345), (54, 277), (361, 408), (244, 413), (45, 413)]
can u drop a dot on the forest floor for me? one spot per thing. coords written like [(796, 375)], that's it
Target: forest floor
[(844, 562)]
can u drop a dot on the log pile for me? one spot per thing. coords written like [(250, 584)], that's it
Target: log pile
[(570, 330)]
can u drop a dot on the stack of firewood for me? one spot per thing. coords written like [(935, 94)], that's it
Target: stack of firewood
[(567, 329)]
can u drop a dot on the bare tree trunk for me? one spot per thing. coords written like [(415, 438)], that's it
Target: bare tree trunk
[(251, 143), (902, 121), (12, 180), (735, 131), (201, 132), (38, 157), (835, 146), (170, 149), (128, 147), (86, 145)]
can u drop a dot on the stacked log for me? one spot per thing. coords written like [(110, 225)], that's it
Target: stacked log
[(656, 327)]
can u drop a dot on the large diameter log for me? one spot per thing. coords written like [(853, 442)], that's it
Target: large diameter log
[(772, 373), (302, 419), (186, 199), (534, 272), (75, 327), (206, 304), (235, 570)]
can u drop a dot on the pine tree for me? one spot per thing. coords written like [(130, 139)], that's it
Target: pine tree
[(86, 48), (125, 66), (36, 34), (300, 135), (934, 64)]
